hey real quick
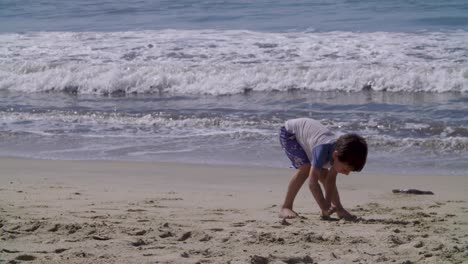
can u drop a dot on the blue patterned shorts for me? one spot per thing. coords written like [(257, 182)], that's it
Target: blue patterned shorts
[(293, 149)]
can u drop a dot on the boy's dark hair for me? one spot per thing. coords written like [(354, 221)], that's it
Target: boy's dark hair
[(352, 150)]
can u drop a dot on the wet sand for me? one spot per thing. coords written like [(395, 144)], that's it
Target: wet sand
[(135, 212)]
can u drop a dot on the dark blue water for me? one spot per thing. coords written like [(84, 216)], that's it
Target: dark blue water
[(262, 15)]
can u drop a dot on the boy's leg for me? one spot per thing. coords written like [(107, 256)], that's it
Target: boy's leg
[(293, 188), (301, 162)]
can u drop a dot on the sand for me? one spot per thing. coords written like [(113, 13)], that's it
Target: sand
[(141, 212)]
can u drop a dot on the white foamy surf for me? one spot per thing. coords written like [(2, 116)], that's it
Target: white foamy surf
[(232, 62)]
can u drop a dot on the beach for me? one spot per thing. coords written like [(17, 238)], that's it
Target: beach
[(152, 212), (148, 131)]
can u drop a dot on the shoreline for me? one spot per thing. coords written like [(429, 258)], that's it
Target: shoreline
[(146, 212), (372, 168)]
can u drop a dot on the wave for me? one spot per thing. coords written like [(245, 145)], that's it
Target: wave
[(217, 130), (232, 62)]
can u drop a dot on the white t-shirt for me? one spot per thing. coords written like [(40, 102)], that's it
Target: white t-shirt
[(317, 141)]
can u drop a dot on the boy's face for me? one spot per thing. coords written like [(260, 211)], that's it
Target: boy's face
[(341, 167)]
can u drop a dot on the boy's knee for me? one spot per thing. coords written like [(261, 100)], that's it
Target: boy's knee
[(304, 170), (305, 167)]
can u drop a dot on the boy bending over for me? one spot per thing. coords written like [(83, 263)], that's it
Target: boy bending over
[(319, 156)]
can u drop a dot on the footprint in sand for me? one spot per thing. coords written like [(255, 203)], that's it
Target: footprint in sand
[(25, 257), (166, 234), (291, 260), (239, 224), (437, 248), (259, 260), (83, 254), (428, 255), (411, 208), (209, 220), (385, 221), (33, 227), (420, 214), (359, 240), (205, 238), (136, 210), (418, 244), (72, 228), (138, 243), (220, 211), (101, 237), (255, 259), (137, 232), (170, 199), (60, 250), (9, 251), (55, 228), (456, 201), (395, 240), (185, 236)]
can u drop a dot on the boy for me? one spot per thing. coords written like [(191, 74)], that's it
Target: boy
[(319, 156)]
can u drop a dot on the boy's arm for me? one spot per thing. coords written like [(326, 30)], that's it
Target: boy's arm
[(338, 207), (314, 187), (331, 192)]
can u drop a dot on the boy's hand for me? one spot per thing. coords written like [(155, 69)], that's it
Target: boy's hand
[(332, 210), (343, 214), (326, 214)]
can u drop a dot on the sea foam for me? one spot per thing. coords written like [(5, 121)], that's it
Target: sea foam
[(232, 62)]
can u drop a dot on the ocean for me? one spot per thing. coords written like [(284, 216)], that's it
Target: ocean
[(211, 82)]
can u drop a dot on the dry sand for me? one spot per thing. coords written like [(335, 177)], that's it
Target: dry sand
[(133, 212)]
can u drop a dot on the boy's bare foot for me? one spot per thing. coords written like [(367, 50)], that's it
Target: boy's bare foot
[(287, 213)]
